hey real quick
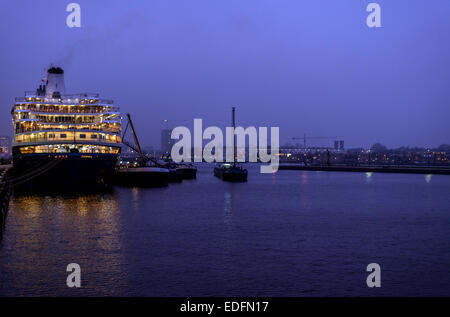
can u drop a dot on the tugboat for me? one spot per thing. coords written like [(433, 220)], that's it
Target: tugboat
[(141, 175), (187, 170), (231, 172), (175, 176)]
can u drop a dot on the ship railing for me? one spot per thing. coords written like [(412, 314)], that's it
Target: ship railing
[(112, 111), (84, 95), (57, 122), (106, 130), (78, 121), (79, 99), (44, 140)]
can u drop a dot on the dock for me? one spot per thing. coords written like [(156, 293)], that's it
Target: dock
[(372, 169), (5, 193)]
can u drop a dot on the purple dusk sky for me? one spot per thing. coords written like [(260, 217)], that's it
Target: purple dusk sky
[(306, 66)]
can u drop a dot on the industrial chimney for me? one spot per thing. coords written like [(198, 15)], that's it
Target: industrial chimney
[(55, 83)]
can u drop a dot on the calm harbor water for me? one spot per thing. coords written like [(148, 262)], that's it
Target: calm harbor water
[(293, 233)]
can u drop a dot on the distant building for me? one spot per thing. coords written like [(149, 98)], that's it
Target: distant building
[(341, 144), (336, 145), (5, 146), (149, 150), (166, 141)]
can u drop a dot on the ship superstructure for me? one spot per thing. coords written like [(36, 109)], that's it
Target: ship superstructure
[(81, 131)]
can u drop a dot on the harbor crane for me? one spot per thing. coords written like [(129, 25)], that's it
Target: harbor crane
[(304, 138), (142, 158), (137, 147)]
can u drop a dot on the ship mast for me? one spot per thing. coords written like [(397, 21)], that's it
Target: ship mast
[(233, 119)]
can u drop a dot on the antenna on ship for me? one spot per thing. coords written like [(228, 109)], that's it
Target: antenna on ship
[(233, 122)]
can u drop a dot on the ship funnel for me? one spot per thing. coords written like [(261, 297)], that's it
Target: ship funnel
[(55, 83)]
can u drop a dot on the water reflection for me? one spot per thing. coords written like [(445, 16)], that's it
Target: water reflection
[(274, 177), (228, 204), (53, 231), (212, 238), (135, 193), (369, 177), (304, 177)]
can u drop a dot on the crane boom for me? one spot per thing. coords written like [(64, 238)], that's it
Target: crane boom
[(143, 159), (316, 137), (312, 137), (131, 146)]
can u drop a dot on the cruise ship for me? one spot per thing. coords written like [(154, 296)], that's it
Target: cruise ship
[(62, 140)]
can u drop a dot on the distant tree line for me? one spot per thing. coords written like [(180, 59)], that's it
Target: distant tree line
[(380, 148)]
